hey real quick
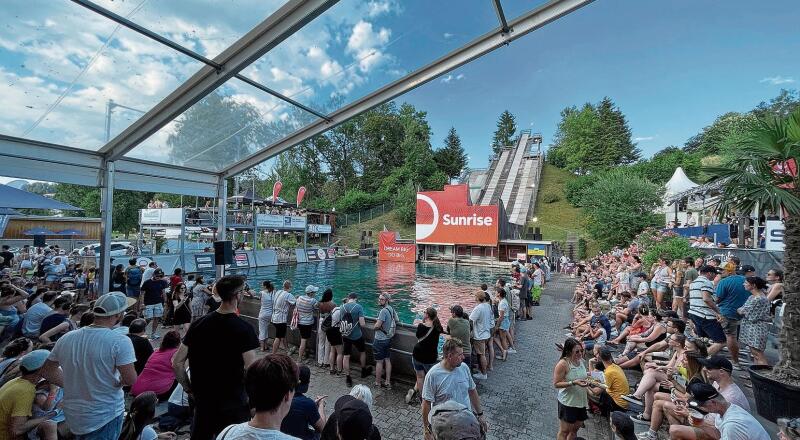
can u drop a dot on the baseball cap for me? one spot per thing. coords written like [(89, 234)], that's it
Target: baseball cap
[(353, 418), (716, 362), (709, 269), (701, 393), (352, 295), (34, 360), (112, 303), (748, 268), (158, 273), (311, 289), (453, 421), (304, 374)]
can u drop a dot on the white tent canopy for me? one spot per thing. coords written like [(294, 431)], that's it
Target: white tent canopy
[(678, 183)]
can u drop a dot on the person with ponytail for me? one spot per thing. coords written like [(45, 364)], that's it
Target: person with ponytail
[(139, 417), (570, 378), (425, 351)]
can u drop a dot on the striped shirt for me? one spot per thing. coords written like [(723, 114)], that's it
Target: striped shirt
[(305, 309), (698, 306), (280, 310)]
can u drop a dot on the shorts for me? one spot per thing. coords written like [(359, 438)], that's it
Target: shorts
[(280, 330), (479, 347), (571, 414), (505, 324), (349, 343), (731, 327), (153, 311), (305, 330), (709, 328), (662, 288), (419, 366), (677, 293), (333, 336), (263, 327), (133, 291), (380, 349)]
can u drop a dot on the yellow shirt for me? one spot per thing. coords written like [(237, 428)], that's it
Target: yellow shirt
[(617, 384), (16, 400)]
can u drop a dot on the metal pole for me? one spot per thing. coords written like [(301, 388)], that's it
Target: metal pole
[(222, 217), (109, 107), (183, 235), (106, 225)]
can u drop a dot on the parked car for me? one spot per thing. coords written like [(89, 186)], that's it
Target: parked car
[(118, 248)]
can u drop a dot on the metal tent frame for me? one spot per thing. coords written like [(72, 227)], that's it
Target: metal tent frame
[(109, 168)]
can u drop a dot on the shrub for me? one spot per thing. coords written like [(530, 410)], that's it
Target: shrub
[(355, 200), (672, 247), (550, 197), (574, 189), (405, 203)]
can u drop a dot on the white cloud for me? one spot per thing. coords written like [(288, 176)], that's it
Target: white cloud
[(643, 138), (448, 35), (364, 45), (450, 78), (460, 76), (777, 80), (376, 8)]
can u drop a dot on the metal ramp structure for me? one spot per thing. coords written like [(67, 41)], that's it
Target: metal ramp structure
[(513, 178)]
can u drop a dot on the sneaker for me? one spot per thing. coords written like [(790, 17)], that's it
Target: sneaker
[(511, 350), (155, 336), (366, 371), (480, 376), (632, 399), (410, 395), (639, 419), (645, 436), (348, 380)]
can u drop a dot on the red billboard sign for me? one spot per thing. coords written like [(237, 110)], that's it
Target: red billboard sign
[(391, 250), (448, 217)]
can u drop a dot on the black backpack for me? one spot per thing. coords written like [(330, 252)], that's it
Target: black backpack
[(347, 323)]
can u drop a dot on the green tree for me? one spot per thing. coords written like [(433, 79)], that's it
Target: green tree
[(713, 137), (451, 158), (405, 203), (126, 204), (763, 172), (613, 136), (659, 168), (782, 105), (574, 147), (506, 129), (619, 205)]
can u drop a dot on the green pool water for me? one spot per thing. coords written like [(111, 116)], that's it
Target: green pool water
[(414, 287)]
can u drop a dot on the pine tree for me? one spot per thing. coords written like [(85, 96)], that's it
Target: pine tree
[(506, 128), (614, 136), (451, 158)]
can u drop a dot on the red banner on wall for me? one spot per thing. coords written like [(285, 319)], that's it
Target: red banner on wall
[(448, 217), (391, 250)]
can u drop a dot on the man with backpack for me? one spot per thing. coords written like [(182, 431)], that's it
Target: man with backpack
[(385, 327), (350, 322), (133, 275), (282, 300)]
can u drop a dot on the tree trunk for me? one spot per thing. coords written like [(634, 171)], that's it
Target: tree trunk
[(789, 365)]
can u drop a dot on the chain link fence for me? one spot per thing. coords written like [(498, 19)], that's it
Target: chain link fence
[(344, 220)]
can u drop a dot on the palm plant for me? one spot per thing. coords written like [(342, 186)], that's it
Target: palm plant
[(761, 173)]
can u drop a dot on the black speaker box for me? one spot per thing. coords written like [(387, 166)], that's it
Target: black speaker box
[(38, 241), (223, 252)]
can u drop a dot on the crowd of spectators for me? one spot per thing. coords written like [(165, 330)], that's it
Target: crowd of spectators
[(684, 325)]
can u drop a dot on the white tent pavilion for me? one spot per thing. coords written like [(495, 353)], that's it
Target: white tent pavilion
[(678, 183)]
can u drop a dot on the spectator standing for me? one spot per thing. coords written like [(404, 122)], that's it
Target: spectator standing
[(152, 293), (731, 295), (148, 273), (454, 421), (280, 312), (384, 328), (17, 398), (7, 257), (458, 328), (482, 324), (324, 352), (307, 308), (219, 347), (703, 310), (756, 319), (133, 276), (306, 417), (176, 278), (265, 312), (450, 380), (270, 383), (200, 294), (95, 363), (350, 324), (141, 345), (524, 286), (425, 352), (569, 377)]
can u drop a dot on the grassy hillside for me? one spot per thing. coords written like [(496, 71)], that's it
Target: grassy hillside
[(558, 218), (351, 235)]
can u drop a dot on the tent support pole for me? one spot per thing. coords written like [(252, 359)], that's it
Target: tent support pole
[(106, 226), (222, 217)]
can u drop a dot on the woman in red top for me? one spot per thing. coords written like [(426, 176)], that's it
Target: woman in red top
[(157, 375), (176, 278)]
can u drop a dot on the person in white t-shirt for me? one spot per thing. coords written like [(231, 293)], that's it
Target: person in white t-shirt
[(482, 323), (283, 299), (270, 383), (734, 423), (148, 273), (96, 362), (265, 313)]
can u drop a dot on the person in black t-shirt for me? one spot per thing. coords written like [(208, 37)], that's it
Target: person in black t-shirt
[(141, 346), (153, 293), (8, 257), (219, 347)]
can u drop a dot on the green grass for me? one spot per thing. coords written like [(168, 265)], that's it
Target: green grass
[(351, 235), (558, 218)]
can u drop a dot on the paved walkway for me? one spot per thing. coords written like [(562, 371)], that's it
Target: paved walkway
[(518, 398)]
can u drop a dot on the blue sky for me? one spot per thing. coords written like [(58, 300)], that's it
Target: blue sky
[(672, 66)]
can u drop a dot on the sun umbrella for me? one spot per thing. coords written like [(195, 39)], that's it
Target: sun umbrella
[(11, 197), (39, 231), (72, 233)]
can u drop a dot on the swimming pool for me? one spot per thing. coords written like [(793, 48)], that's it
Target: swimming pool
[(414, 287)]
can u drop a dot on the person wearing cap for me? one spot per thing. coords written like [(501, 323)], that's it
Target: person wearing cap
[(95, 363), (17, 398), (306, 417), (152, 295), (283, 299), (218, 347), (351, 420), (270, 383), (453, 421), (384, 325), (307, 307), (731, 295), (703, 310), (450, 379), (355, 338), (734, 423), (719, 370)]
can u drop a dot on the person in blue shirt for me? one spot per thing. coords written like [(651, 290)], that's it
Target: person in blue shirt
[(355, 338), (306, 417), (731, 295)]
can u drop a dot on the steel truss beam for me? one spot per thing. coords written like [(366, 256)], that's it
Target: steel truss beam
[(523, 25), (276, 28)]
